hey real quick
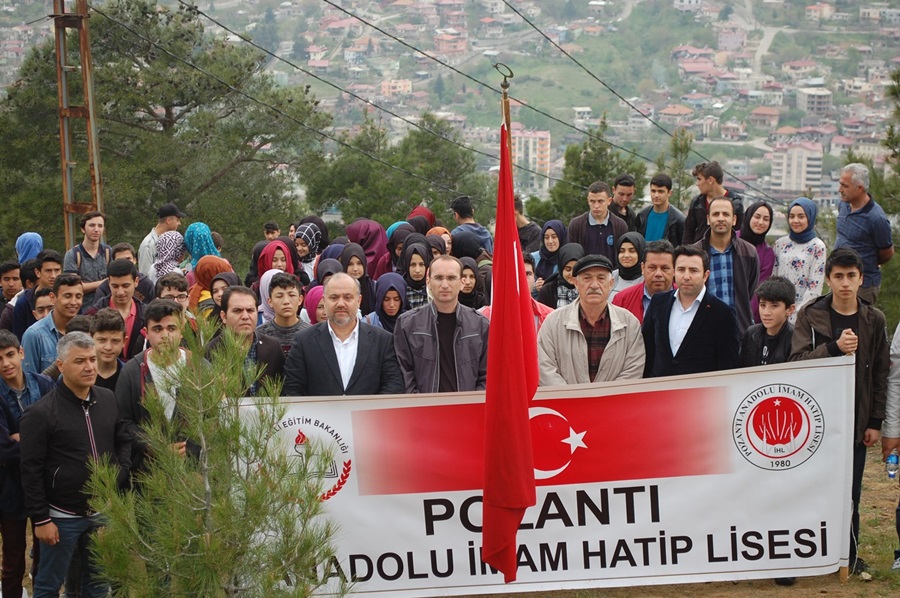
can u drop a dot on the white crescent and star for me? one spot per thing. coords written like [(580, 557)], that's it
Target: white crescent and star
[(575, 441)]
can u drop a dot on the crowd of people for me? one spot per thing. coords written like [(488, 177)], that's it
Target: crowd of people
[(616, 294)]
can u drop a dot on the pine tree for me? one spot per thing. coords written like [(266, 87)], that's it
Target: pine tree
[(237, 517)]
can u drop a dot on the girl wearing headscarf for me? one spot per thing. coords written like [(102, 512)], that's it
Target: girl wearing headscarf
[(372, 238), (800, 256), (306, 240), (420, 223), (390, 261), (467, 244), (629, 255), (546, 264), (275, 255), (414, 265), (324, 269), (390, 301), (266, 312), (212, 308), (199, 242), (170, 251), (28, 245), (756, 225), (313, 306), (325, 241), (353, 260), (559, 290), (208, 267), (444, 234), (469, 295), (436, 244)]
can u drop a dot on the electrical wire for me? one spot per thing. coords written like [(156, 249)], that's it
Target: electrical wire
[(197, 10), (625, 100), (274, 109)]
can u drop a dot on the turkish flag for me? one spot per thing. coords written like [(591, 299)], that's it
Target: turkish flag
[(511, 383)]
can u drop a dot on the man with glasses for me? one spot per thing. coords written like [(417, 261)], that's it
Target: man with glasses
[(442, 346)]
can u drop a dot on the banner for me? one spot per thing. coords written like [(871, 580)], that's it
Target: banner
[(733, 475)]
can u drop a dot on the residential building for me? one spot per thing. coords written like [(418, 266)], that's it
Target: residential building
[(814, 100), (797, 168), (764, 116), (531, 148)]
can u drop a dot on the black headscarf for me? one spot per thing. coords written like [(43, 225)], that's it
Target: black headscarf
[(420, 223), (398, 237), (549, 262), (466, 244), (367, 287), (232, 280), (389, 282), (747, 233), (436, 242), (326, 267), (475, 299), (568, 253), (411, 239), (636, 239), (410, 249)]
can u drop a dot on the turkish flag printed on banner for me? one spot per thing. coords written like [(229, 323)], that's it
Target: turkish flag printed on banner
[(511, 383)]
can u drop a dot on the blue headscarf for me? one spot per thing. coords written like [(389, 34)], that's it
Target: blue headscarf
[(811, 210), (393, 227), (28, 245), (199, 242)]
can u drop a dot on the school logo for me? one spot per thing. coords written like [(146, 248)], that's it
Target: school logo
[(610, 241), (778, 427), (311, 434)]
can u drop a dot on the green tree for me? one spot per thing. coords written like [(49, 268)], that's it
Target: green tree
[(360, 186), (439, 88), (266, 33), (677, 168), (593, 160), (167, 132), (239, 516)]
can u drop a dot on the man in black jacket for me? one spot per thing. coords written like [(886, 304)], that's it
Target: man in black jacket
[(705, 335), (239, 314), (709, 177), (61, 434), (342, 356)]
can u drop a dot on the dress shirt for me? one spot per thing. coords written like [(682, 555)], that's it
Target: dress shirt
[(680, 320), (346, 352)]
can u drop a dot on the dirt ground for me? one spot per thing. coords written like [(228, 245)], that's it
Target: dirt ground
[(877, 543)]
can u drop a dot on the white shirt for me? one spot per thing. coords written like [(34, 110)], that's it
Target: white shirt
[(165, 380), (346, 352), (680, 320)]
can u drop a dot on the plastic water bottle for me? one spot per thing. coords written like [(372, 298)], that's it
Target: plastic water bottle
[(892, 464)]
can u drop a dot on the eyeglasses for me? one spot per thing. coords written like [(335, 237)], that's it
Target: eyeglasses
[(442, 278), (180, 297)]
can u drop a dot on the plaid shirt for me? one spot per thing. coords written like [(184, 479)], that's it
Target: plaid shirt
[(721, 274), (597, 337)]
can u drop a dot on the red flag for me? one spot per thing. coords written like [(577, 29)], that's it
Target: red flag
[(511, 383)]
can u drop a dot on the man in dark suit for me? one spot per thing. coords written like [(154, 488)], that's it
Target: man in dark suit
[(342, 356), (239, 314), (688, 331)]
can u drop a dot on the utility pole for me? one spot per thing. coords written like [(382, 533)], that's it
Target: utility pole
[(77, 20)]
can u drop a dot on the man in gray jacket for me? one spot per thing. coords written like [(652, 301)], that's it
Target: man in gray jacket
[(590, 340), (442, 346)]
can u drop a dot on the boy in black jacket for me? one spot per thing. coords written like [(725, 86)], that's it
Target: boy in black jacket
[(770, 341)]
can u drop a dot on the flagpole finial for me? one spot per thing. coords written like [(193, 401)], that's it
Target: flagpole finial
[(506, 73)]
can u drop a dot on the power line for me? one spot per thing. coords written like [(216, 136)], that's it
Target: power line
[(29, 23), (483, 84), (194, 8), (269, 106), (622, 98)]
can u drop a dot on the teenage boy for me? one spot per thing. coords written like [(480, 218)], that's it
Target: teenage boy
[(90, 258), (43, 304), (40, 340), (29, 280), (284, 299), (18, 390), (770, 341), (840, 324), (123, 276), (158, 366), (10, 282), (271, 230), (143, 292), (661, 220), (108, 332), (49, 267)]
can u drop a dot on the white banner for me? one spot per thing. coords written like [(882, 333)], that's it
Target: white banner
[(733, 475)]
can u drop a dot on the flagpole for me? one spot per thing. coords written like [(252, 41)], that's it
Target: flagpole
[(507, 74)]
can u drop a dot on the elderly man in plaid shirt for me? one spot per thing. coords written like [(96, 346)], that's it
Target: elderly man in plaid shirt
[(733, 262)]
